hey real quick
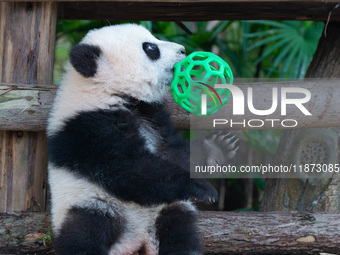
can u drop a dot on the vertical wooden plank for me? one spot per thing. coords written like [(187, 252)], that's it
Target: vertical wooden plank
[(20, 173), (40, 182), (3, 179), (27, 41)]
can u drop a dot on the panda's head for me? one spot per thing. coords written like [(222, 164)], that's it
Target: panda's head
[(126, 60)]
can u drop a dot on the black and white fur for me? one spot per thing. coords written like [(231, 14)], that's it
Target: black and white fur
[(119, 174)]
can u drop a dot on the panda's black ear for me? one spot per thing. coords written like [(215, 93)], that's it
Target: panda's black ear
[(83, 58)]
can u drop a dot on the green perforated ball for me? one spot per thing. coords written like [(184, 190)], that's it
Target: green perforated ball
[(197, 74)]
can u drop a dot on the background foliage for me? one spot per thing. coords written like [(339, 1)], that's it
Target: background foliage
[(253, 49)]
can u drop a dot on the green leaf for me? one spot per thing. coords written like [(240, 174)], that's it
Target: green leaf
[(266, 41), (289, 46), (280, 57), (269, 23), (271, 49)]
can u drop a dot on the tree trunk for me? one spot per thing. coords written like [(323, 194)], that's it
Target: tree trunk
[(222, 232), (310, 146), (27, 39)]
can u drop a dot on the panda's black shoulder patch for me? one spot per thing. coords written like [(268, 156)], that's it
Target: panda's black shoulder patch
[(83, 58)]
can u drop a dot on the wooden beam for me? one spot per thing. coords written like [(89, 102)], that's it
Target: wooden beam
[(324, 106), (27, 39), (183, 1), (200, 10), (26, 107), (223, 233)]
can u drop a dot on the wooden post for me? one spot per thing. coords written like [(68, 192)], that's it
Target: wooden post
[(27, 40), (296, 146)]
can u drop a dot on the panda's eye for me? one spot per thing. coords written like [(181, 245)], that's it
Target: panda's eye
[(151, 47), (151, 50)]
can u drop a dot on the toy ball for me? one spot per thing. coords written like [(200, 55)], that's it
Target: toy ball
[(196, 75)]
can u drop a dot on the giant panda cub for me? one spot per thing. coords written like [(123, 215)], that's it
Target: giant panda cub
[(118, 172)]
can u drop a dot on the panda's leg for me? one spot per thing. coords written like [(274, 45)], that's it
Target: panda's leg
[(177, 231), (87, 231)]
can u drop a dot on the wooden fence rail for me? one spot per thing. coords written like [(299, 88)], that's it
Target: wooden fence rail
[(223, 233), (25, 107), (198, 10)]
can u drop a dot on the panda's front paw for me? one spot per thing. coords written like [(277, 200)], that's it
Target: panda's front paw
[(220, 147), (202, 190)]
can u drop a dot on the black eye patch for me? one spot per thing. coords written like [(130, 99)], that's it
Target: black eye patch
[(83, 58), (151, 50)]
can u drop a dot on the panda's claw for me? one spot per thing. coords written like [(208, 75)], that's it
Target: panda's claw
[(232, 153), (228, 134), (221, 136), (232, 144), (203, 191), (228, 139)]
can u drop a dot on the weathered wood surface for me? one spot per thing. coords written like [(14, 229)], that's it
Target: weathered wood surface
[(26, 107), (186, 1), (321, 194), (223, 233), (270, 233), (186, 10), (198, 10), (23, 233), (27, 38)]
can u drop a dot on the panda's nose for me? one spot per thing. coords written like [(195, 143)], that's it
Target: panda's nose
[(181, 51)]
